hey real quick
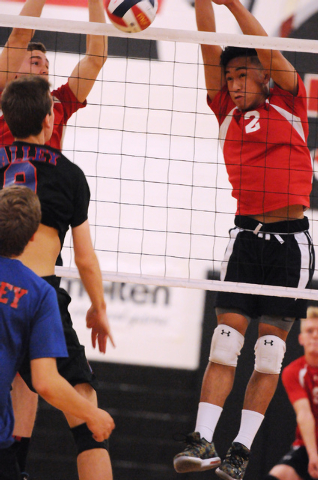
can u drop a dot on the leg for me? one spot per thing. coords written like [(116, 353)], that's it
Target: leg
[(261, 387), (25, 403), (284, 472), (94, 463), (218, 379), (269, 354), (227, 342)]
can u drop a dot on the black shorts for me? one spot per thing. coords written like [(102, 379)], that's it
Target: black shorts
[(9, 468), (279, 254), (297, 458), (75, 368)]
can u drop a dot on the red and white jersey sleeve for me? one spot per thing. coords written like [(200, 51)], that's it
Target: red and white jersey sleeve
[(65, 104), (265, 150), (301, 381)]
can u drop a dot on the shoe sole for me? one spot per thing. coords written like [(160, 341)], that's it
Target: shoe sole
[(192, 464), (223, 475)]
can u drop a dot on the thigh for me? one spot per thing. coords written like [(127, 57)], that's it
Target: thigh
[(297, 458)]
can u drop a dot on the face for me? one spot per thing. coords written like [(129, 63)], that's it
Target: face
[(308, 336), (49, 125), (247, 83), (34, 63)]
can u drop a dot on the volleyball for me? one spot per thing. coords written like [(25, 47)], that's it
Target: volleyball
[(131, 15)]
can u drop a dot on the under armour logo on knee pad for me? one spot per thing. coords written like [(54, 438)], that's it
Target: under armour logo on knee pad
[(225, 333), (271, 342)]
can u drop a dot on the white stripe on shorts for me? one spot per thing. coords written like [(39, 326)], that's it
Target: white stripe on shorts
[(305, 256), (229, 249)]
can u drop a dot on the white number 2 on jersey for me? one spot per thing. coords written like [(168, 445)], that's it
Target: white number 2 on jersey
[(254, 125)]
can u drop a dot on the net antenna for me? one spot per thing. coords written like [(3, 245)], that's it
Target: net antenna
[(161, 203)]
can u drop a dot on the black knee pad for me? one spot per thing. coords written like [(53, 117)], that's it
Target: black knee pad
[(84, 440), (270, 477)]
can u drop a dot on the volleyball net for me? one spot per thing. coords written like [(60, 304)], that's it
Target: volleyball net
[(161, 204)]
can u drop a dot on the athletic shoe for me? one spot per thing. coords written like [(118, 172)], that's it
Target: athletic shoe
[(234, 465), (198, 455)]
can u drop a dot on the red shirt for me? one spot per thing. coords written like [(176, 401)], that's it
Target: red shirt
[(65, 104), (301, 381), (265, 150)]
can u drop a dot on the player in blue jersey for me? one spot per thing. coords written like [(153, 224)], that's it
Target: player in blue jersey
[(64, 195), (30, 325)]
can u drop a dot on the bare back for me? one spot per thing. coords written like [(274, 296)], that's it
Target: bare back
[(40, 255)]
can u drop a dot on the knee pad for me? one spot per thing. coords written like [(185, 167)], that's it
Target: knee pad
[(270, 477), (269, 354), (226, 345), (84, 440)]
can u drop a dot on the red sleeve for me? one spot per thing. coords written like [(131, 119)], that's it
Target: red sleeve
[(291, 382), (68, 100)]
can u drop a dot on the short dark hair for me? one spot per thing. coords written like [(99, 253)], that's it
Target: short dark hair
[(20, 216), (36, 46), (234, 52), (25, 102)]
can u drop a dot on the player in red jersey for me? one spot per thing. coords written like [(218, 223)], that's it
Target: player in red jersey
[(263, 133), (300, 379), (22, 57)]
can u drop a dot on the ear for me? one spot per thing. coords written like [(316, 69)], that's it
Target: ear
[(300, 339), (46, 122), (266, 77), (32, 238)]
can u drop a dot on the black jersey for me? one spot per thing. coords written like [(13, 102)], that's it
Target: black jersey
[(60, 184)]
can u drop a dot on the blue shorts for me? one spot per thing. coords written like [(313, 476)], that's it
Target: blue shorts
[(279, 253)]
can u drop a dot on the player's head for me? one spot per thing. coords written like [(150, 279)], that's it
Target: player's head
[(35, 61), (308, 336), (20, 216), (27, 107), (246, 79)]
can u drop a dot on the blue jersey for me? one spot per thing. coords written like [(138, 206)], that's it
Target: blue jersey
[(30, 324)]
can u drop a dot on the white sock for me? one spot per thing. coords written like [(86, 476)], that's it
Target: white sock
[(250, 423), (207, 418)]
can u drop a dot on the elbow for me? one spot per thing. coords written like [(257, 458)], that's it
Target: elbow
[(42, 387)]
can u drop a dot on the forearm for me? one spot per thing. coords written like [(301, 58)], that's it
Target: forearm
[(247, 22), (91, 277), (31, 8), (306, 424), (205, 17), (59, 393), (97, 45)]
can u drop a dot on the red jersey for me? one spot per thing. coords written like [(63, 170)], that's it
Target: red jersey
[(65, 104), (265, 150), (301, 381)]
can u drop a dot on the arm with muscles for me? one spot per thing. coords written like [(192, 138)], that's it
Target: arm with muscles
[(89, 270), (86, 71), (59, 393), (306, 423), (14, 51), (281, 70), (211, 53)]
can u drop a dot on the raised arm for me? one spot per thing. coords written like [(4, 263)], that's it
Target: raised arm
[(59, 393), (89, 270), (306, 423), (86, 71), (281, 70), (14, 51), (211, 53)]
